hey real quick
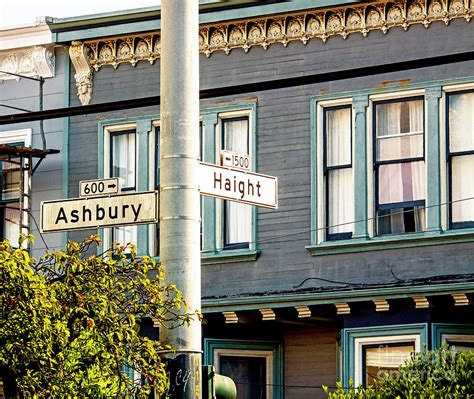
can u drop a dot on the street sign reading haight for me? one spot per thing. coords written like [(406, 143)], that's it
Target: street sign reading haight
[(89, 213), (237, 185)]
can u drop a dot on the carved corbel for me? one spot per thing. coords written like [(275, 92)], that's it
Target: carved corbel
[(78, 52)]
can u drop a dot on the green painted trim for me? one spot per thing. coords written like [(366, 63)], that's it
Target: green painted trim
[(230, 256), (433, 161), (324, 298), (276, 347), (209, 122), (395, 88), (411, 240), (253, 135), (65, 149), (144, 126), (349, 335), (359, 107), (314, 169), (438, 329)]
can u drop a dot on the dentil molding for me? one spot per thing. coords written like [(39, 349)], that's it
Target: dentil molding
[(91, 55)]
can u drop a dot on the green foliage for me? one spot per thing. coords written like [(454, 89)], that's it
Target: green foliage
[(436, 374), (70, 322)]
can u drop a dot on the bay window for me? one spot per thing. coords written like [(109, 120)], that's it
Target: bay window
[(399, 166)]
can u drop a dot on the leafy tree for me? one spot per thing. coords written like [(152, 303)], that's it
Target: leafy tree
[(436, 374), (70, 322)]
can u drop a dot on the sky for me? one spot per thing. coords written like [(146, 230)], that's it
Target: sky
[(21, 12)]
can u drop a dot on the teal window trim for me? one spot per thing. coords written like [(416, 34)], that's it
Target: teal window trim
[(144, 130), (362, 240), (440, 329), (212, 253), (350, 335), (276, 347)]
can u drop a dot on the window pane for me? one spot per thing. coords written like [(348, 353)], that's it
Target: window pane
[(461, 122), (341, 201), (237, 223), (338, 136), (10, 180), (401, 182), (10, 219), (236, 135), (125, 235), (462, 208), (401, 220), (123, 159), (384, 359), (248, 373), (399, 130)]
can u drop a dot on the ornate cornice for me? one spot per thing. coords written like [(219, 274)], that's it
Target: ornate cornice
[(265, 31), (31, 61)]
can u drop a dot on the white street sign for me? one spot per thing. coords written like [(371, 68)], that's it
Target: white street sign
[(235, 160), (94, 188), (89, 213), (237, 185)]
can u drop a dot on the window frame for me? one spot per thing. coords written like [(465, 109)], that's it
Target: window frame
[(441, 332), (272, 351), (17, 137), (449, 156), (377, 164), (223, 120), (353, 340), (327, 169)]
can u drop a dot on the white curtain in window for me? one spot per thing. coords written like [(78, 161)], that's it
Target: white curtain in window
[(462, 207), (11, 224), (399, 130), (401, 182), (125, 235), (388, 357), (341, 201), (461, 122), (338, 132), (238, 216), (123, 162)]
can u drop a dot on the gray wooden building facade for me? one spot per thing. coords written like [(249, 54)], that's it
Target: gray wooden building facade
[(364, 112)]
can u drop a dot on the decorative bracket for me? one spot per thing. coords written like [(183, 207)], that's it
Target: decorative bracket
[(303, 311), (230, 317), (38, 61), (381, 305), (268, 314), (421, 302), (342, 308), (79, 54), (460, 299)]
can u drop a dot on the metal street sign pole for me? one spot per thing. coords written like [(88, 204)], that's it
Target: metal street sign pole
[(179, 191)]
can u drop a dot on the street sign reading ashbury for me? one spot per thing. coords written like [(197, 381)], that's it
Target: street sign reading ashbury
[(237, 185), (84, 213)]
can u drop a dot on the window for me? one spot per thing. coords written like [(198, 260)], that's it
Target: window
[(379, 360), (255, 366), (123, 166), (459, 342), (11, 187), (460, 337), (236, 217), (460, 137), (338, 172), (399, 166), (370, 352)]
